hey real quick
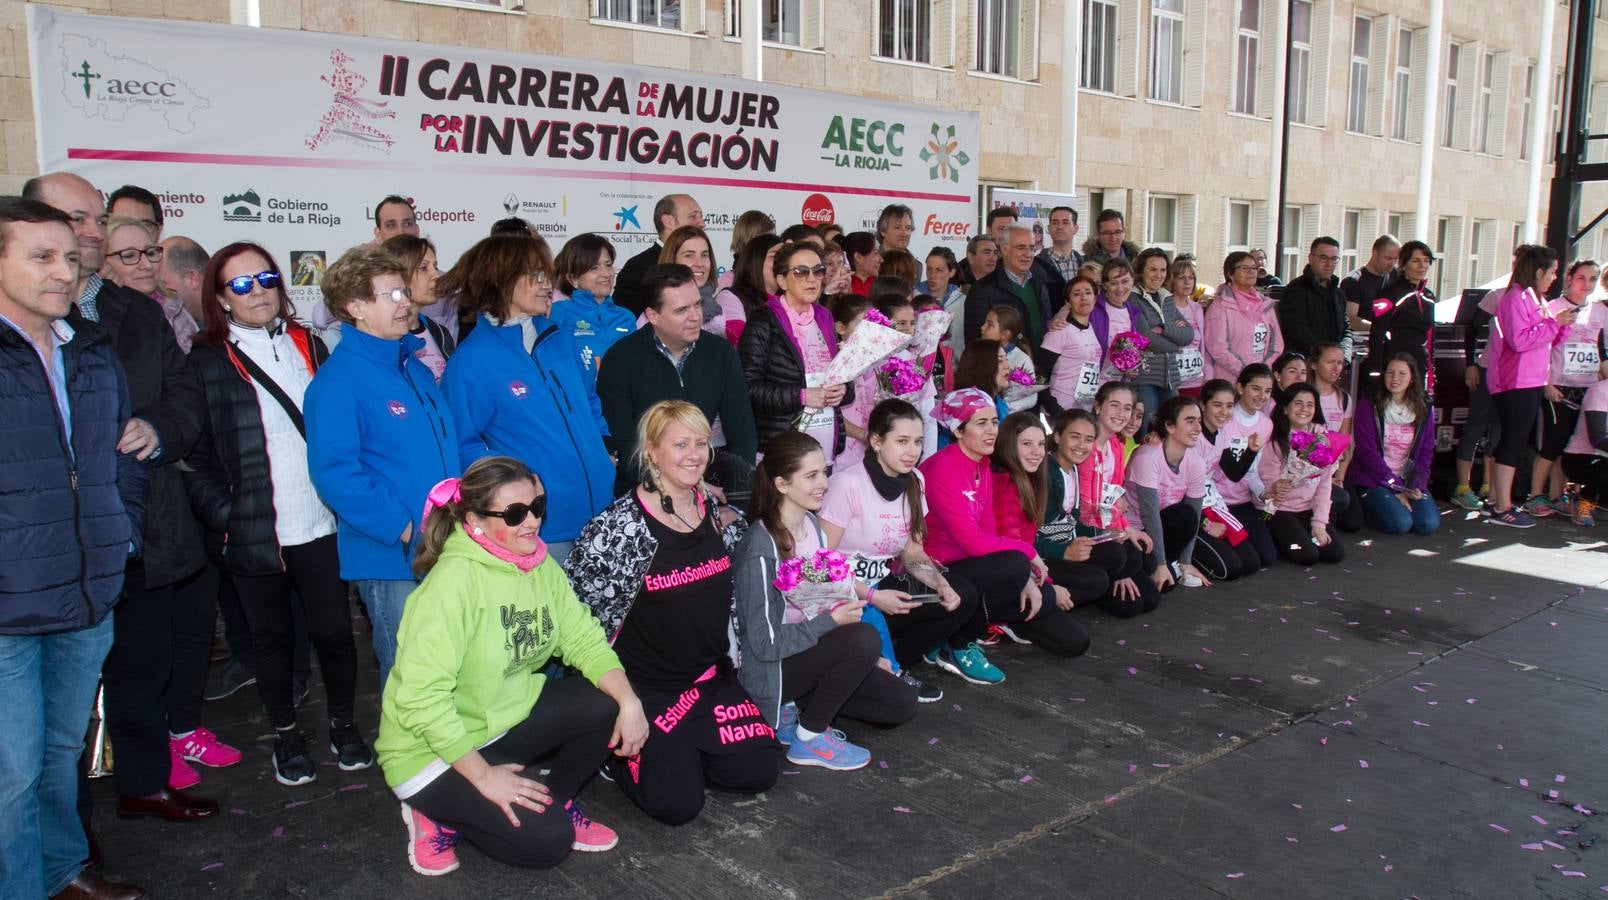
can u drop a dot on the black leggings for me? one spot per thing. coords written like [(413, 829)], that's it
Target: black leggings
[(312, 569), (1293, 532), (1261, 539), (1558, 423), (572, 717), (839, 675), (999, 579), (1119, 560), (1516, 411), (1590, 472), (1179, 523), (1345, 509), (1222, 561), (195, 612), (930, 625)]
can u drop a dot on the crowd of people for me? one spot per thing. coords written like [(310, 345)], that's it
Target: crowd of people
[(674, 522)]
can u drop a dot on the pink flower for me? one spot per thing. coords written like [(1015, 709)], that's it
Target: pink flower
[(1127, 351), (789, 575), (899, 376), (871, 315), (1022, 377), (1300, 440)]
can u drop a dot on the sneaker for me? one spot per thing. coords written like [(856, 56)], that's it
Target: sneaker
[(926, 692), (225, 681), (203, 746), (349, 747), (291, 765), (1538, 506), (1561, 505), (590, 837), (1189, 581), (829, 750), (1513, 518), (429, 845), (991, 637), (1582, 515), (787, 723), (969, 663), (1006, 632), (180, 774), (1466, 498)]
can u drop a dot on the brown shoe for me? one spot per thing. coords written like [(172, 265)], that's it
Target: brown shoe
[(89, 886), (175, 806)]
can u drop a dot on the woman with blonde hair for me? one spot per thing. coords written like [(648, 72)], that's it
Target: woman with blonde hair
[(1194, 369)]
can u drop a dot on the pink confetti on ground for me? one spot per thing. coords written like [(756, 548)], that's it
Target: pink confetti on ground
[(1025, 779), (1499, 828), (1536, 847), (1390, 868), (1122, 643), (353, 787), (1432, 703), (789, 771), (1524, 782), (1298, 806), (1161, 765), (1253, 680), (1111, 799), (1132, 671), (1420, 689), (1420, 724), (1558, 778), (956, 706), (1554, 845), (279, 831), (1571, 873), (1293, 840), (1207, 649), (1132, 768), (1198, 667), (1552, 795), (1538, 820), (238, 812), (1471, 701), (1581, 810), (901, 809), (212, 865), (295, 803), (1235, 875), (1323, 742), (883, 763), (932, 742), (1338, 828), (1283, 621), (1414, 653), (1363, 763)]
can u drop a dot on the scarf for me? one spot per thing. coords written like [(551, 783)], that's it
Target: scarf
[(888, 487), (524, 563), (1399, 414)]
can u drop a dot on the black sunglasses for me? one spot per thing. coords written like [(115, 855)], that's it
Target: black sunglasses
[(241, 284), (515, 513)]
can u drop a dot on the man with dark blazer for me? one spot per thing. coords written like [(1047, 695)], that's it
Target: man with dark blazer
[(1012, 283), (671, 212)]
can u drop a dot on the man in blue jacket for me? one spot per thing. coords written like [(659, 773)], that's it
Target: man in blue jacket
[(71, 508)]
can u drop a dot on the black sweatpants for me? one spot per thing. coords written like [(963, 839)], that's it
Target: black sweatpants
[(1558, 422), (840, 676), (136, 679), (1250, 515), (312, 569), (930, 625), (1345, 509), (195, 613), (1293, 532), (572, 717), (1221, 561), (1516, 410), (999, 579), (1119, 560)]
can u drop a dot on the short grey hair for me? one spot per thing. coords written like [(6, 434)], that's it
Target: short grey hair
[(1015, 227)]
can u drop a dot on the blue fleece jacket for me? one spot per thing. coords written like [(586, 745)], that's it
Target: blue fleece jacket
[(592, 326), (538, 407), (379, 436)]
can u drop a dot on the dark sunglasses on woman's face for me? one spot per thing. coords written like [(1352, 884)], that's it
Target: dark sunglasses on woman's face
[(514, 514), (808, 271), (241, 284)]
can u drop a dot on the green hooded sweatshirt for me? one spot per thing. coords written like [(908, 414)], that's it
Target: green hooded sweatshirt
[(475, 637)]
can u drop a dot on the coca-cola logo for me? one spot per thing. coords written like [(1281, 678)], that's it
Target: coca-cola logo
[(817, 210)]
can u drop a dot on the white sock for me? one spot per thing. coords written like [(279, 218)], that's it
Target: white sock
[(804, 734)]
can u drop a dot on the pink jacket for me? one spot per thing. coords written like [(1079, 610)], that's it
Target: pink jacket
[(960, 509), (1308, 493), (1520, 349), (1231, 325)]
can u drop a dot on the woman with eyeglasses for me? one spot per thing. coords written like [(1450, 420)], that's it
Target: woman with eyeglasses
[(468, 710), (785, 354), (1193, 368), (516, 386), (379, 434), (132, 259), (586, 312), (1242, 326), (418, 258)]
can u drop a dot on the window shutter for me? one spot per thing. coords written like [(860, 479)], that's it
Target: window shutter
[(1468, 92), (1188, 206), (1415, 108), (1487, 251), (810, 35), (1128, 48), (1141, 234), (1080, 205), (876, 28), (1453, 256), (1594, 120), (1027, 42), (1501, 85), (943, 33), (1268, 29), (1367, 230), (1261, 234), (692, 16), (1378, 74), (1409, 227), (730, 16), (1311, 224), (1318, 104), (1194, 52)]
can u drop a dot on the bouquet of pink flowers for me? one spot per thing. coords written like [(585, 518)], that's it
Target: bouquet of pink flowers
[(1021, 383), (817, 585), (871, 343), (874, 315), (1311, 453), (899, 377), (1127, 354), (931, 327)]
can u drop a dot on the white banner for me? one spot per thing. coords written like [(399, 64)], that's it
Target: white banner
[(289, 138), (1032, 209)]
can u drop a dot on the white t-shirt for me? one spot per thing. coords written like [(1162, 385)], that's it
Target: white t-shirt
[(1575, 359), (874, 529)]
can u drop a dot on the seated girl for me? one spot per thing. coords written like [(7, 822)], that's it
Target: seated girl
[(1300, 501), (1101, 476), (1223, 548), (1395, 445), (1166, 483)]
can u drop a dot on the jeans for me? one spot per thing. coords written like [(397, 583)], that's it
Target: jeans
[(384, 601), (1152, 396), (1385, 513), (47, 686), (560, 550)]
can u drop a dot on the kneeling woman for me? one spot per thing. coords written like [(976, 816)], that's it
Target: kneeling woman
[(467, 709), (1300, 522), (804, 664), (1395, 443), (1223, 548), (1167, 484), (656, 568)]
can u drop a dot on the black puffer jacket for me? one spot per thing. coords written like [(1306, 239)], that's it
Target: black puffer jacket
[(774, 371), (164, 392), (228, 478)]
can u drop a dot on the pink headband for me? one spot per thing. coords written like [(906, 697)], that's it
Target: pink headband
[(445, 491), (959, 406)]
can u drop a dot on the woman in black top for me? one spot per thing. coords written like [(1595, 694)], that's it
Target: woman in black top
[(1402, 319)]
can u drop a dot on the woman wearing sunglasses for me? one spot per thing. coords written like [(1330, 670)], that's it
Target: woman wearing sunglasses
[(785, 352), (468, 709), (132, 259), (379, 434), (267, 529)]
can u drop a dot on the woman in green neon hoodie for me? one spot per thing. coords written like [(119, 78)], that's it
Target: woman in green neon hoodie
[(466, 708)]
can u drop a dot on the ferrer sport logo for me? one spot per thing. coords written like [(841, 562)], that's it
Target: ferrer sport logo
[(105, 85)]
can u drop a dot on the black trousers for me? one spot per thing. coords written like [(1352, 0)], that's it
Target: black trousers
[(1250, 515), (1179, 523), (930, 625), (999, 579), (1119, 560), (1558, 422), (136, 679), (1293, 532), (840, 676), (1516, 410), (572, 717), (1590, 472), (195, 610), (1222, 561), (312, 569), (1345, 509)]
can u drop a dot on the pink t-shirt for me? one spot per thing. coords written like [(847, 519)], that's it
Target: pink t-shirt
[(1193, 367), (1596, 401), (1148, 468), (817, 357), (874, 529), (1575, 360), (1236, 436), (858, 412), (1076, 375), (1334, 415), (1398, 441)]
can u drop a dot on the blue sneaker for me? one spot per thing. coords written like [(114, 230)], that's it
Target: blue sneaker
[(1513, 518), (969, 663), (787, 723), (829, 750)]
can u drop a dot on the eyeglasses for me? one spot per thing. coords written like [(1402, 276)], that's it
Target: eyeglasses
[(395, 295), (808, 271), (132, 255), (1118, 232), (1325, 257), (240, 285), (1251, 267), (515, 513), (540, 277)]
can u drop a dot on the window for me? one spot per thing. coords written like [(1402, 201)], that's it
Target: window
[(1290, 249), (1300, 65), (1361, 63), (1237, 233), (1557, 103), (1448, 272), (1167, 50), (1100, 45), (1401, 127), (1007, 38), (904, 30), (1527, 110), (1477, 237), (1485, 111), (796, 23), (654, 13), (1402, 225), (1247, 56), (1448, 111), (1351, 239), (1161, 222)]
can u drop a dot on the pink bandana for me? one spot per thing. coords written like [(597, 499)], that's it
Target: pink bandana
[(959, 406)]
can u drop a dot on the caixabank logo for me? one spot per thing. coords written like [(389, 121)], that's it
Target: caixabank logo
[(117, 88)]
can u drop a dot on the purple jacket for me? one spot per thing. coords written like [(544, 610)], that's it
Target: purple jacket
[(1368, 468)]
